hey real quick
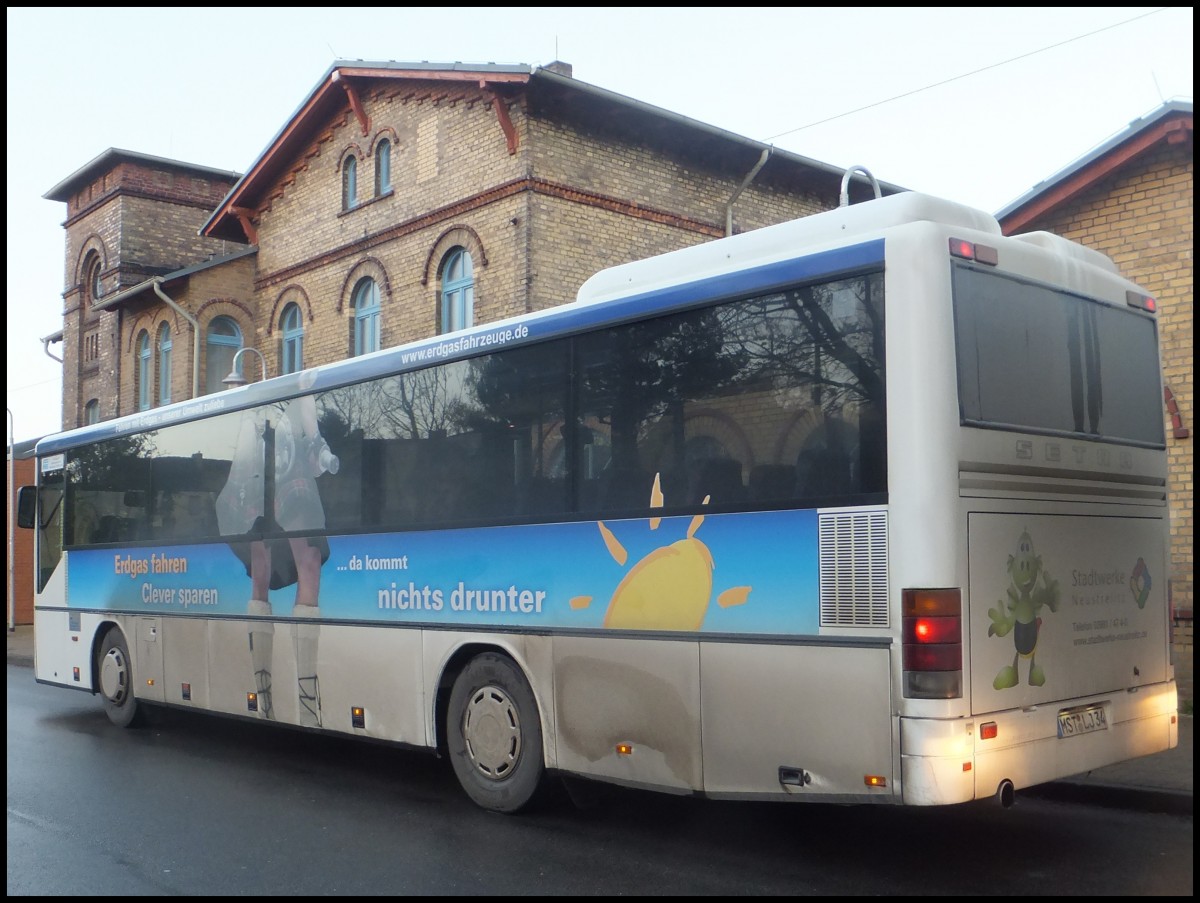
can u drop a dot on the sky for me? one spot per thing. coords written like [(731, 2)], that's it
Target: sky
[(974, 104)]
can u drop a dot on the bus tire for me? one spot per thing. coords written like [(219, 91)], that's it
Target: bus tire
[(495, 734), (114, 679)]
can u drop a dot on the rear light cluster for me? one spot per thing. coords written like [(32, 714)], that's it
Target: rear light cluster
[(932, 637)]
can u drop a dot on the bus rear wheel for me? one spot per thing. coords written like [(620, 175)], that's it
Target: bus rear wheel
[(114, 672), (495, 734)]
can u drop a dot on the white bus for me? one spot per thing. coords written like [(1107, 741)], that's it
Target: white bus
[(867, 507)]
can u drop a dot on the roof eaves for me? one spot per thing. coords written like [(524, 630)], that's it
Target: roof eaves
[(630, 103), (329, 81), (113, 301), (109, 158), (1096, 163)]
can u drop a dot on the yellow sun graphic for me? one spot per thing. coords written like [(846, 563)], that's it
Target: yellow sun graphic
[(670, 588)]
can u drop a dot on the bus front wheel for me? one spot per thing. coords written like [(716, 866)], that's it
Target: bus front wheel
[(114, 671), (495, 734)]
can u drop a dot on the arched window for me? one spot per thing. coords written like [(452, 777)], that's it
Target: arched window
[(458, 291), (383, 167), (164, 364), (93, 282), (223, 341), (292, 324), (91, 412), (349, 183), (143, 371), (366, 317)]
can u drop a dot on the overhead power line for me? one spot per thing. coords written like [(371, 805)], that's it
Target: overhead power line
[(966, 74)]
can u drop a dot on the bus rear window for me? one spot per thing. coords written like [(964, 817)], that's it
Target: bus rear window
[(1043, 361)]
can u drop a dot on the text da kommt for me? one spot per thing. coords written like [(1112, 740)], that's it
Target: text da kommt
[(424, 598), (155, 564)]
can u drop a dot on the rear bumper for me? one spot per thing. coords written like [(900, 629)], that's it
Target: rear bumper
[(948, 761)]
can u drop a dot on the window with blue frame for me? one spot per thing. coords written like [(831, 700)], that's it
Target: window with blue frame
[(367, 314), (222, 342), (458, 291), (143, 372), (164, 364), (349, 183), (383, 168), (292, 325)]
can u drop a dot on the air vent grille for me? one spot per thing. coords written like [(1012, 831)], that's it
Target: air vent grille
[(854, 569)]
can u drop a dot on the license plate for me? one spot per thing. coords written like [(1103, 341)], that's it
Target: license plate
[(1073, 722)]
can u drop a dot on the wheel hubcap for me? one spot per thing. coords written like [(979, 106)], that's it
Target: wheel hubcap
[(114, 676), (492, 731)]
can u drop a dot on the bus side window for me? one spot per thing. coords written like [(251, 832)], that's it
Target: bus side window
[(773, 482), (542, 495), (719, 480), (624, 487)]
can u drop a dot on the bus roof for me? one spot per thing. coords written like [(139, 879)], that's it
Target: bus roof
[(772, 243)]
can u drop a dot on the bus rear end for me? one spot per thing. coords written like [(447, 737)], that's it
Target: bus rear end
[(1059, 661)]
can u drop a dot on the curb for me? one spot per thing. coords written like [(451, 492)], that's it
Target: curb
[(1113, 796)]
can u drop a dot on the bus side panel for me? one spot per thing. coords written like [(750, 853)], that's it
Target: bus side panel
[(185, 662), (148, 677), (377, 670), (230, 675), (644, 693), (61, 644), (819, 713)]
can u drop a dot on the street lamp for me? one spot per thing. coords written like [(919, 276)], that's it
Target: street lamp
[(12, 454), (235, 377)]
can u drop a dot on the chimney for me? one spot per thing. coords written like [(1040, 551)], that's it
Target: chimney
[(558, 67)]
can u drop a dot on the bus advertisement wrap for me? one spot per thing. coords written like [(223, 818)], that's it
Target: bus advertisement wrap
[(723, 573), (1048, 594)]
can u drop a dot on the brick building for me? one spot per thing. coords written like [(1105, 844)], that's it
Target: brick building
[(400, 201), (1132, 199)]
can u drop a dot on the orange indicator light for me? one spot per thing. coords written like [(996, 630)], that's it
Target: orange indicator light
[(874, 780), (624, 749)]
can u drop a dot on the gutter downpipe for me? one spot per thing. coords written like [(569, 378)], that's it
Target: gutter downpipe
[(157, 286), (762, 161), (46, 348)]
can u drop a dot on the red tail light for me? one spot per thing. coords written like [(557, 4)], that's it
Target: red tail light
[(932, 643), (1141, 302), (968, 250)]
